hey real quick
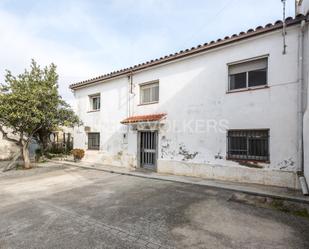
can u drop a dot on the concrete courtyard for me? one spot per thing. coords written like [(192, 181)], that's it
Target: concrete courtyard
[(67, 207)]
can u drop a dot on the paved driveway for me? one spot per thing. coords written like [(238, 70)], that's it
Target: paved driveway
[(62, 207)]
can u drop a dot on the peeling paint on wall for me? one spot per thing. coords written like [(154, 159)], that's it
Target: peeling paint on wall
[(185, 153), (249, 164), (218, 156), (166, 151), (287, 164)]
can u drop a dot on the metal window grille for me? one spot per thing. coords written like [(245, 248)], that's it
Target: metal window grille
[(93, 141), (248, 145), (148, 151)]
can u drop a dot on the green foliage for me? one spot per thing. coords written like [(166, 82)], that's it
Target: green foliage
[(54, 149), (22, 98), (38, 155), (30, 104), (303, 213)]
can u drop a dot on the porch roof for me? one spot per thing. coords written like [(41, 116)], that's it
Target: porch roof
[(143, 118)]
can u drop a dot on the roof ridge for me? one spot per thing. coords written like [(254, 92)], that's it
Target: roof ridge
[(199, 48)]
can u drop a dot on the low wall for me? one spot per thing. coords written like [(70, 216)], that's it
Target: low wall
[(7, 149), (102, 157), (216, 172), (226, 173)]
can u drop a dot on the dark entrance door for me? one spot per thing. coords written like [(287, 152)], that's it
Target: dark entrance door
[(148, 149)]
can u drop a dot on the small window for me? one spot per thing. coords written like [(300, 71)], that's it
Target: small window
[(248, 74), (95, 102), (93, 141), (248, 145), (149, 93)]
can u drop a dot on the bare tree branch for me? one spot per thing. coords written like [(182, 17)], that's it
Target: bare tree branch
[(28, 140)]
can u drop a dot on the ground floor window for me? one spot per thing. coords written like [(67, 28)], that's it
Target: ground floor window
[(93, 140), (248, 145)]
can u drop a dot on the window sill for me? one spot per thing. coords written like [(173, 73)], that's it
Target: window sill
[(150, 103), (93, 111), (249, 161), (247, 89)]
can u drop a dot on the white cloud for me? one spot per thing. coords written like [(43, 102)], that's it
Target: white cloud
[(26, 37), (19, 44)]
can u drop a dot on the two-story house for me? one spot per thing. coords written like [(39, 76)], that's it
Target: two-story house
[(231, 109)]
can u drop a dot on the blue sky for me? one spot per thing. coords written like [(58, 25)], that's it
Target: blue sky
[(89, 38)]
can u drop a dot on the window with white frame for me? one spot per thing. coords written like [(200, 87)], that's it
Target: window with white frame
[(95, 102), (149, 93), (248, 74)]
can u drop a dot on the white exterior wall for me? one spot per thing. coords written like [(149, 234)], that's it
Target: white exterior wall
[(303, 8), (193, 90), (114, 108)]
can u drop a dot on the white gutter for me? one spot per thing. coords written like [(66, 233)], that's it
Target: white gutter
[(300, 96)]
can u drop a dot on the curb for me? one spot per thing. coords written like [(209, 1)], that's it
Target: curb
[(303, 200)]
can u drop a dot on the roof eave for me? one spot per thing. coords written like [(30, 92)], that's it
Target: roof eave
[(188, 52)]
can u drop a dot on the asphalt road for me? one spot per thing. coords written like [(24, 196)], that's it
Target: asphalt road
[(63, 207)]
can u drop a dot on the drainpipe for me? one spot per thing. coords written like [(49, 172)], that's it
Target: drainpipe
[(129, 98), (130, 94), (302, 179)]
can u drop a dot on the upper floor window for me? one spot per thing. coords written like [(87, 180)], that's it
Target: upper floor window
[(248, 74), (95, 102), (149, 93)]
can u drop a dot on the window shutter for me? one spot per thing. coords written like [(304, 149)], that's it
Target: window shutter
[(248, 66)]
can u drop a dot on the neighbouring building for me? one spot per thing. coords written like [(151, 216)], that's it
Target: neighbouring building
[(232, 109), (61, 139)]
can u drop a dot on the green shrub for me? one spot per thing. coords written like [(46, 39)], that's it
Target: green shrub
[(38, 154)]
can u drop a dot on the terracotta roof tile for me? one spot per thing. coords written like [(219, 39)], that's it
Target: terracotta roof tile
[(194, 50), (143, 118)]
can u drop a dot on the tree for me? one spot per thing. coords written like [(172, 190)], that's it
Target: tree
[(31, 107), (59, 114)]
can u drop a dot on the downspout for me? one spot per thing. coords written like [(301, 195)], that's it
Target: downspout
[(129, 99), (302, 179), (130, 93)]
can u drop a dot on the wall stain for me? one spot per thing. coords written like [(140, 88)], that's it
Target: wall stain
[(250, 164), (166, 151), (218, 156), (185, 153), (287, 163)]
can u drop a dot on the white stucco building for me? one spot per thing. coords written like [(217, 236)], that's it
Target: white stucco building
[(230, 109)]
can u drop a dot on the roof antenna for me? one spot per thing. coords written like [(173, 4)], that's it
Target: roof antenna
[(284, 27)]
